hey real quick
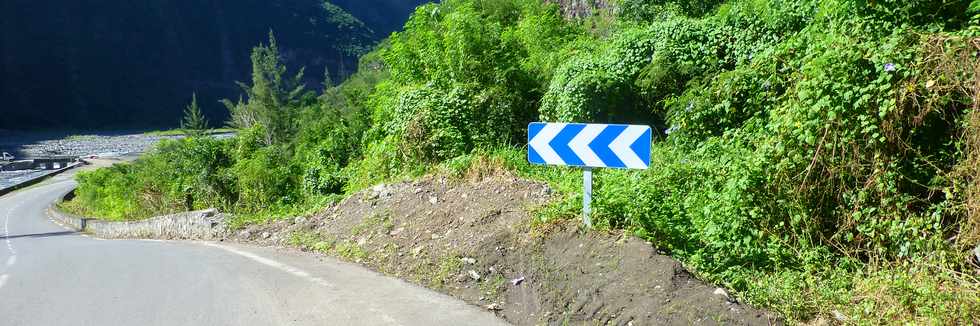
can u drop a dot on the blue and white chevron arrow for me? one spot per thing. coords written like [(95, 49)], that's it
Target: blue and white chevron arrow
[(589, 145)]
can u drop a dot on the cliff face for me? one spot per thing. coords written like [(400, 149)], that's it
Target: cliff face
[(380, 14), (112, 64)]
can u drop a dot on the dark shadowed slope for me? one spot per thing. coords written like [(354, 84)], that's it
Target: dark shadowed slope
[(105, 63)]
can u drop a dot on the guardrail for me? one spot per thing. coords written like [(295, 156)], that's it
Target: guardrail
[(38, 179), (41, 163)]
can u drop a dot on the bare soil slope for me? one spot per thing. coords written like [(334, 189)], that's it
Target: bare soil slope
[(475, 240)]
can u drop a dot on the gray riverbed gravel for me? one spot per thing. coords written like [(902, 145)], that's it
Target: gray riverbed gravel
[(26, 145), (39, 144)]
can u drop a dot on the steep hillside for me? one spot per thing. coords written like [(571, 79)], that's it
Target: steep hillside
[(129, 64), (383, 16)]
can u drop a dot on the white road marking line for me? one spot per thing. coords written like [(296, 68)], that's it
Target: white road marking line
[(271, 263), (6, 229)]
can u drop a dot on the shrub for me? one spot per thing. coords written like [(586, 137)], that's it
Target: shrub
[(325, 145), (265, 180), (108, 192), (178, 175)]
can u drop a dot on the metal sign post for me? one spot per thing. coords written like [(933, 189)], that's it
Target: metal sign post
[(587, 196), (589, 146)]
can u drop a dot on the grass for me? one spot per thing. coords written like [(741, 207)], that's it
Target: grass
[(382, 219), (312, 241), (179, 132), (350, 250), (80, 138), (308, 208), (315, 242), (74, 208), (491, 287), (449, 265)]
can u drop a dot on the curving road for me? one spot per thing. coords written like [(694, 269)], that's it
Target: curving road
[(52, 276)]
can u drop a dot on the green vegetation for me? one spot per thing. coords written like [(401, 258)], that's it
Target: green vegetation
[(818, 157), (194, 123), (80, 137), (179, 132), (312, 241)]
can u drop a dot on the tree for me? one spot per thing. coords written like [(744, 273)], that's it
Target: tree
[(273, 100), (327, 81), (194, 123)]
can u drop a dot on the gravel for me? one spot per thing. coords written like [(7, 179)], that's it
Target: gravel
[(103, 144), (27, 145)]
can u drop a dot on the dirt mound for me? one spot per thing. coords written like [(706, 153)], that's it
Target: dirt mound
[(475, 241)]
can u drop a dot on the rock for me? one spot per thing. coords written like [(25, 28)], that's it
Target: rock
[(433, 200), (839, 316), (396, 231), (722, 292), (435, 236), (266, 235), (300, 220), (976, 253), (468, 260), (474, 275), (418, 250), (517, 281), (464, 196), (380, 191), (494, 307), (245, 234)]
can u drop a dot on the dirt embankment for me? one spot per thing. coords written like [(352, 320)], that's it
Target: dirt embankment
[(475, 241)]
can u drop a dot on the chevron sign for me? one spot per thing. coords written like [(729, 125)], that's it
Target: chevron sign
[(589, 145)]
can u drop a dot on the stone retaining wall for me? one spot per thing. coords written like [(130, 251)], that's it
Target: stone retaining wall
[(197, 225)]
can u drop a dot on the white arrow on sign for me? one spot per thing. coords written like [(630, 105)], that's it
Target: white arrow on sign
[(580, 144), (621, 146), (540, 142)]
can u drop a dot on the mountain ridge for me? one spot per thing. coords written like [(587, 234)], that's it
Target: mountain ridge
[(112, 64)]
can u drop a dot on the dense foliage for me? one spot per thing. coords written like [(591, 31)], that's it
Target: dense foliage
[(819, 157)]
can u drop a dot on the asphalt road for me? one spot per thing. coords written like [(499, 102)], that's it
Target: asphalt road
[(51, 276)]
